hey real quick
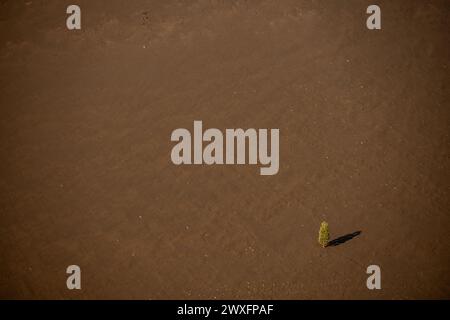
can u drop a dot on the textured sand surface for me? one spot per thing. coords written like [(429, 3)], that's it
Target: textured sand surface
[(86, 176)]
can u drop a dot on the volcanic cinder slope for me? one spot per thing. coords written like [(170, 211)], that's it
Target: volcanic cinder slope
[(86, 176)]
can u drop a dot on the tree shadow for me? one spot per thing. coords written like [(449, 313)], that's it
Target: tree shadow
[(343, 239)]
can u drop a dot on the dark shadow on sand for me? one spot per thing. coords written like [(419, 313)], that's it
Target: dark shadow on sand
[(343, 239)]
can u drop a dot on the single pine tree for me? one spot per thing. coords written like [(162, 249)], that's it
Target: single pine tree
[(324, 235)]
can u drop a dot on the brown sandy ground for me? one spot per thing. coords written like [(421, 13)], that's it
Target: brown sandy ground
[(86, 176)]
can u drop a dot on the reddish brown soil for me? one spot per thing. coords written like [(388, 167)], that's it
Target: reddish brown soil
[(86, 176)]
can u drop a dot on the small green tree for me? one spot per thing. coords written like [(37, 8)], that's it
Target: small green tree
[(324, 235)]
